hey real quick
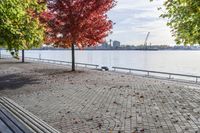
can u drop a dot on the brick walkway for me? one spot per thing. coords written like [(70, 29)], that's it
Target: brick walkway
[(98, 102)]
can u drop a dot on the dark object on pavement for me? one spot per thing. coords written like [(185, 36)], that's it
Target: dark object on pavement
[(105, 68)]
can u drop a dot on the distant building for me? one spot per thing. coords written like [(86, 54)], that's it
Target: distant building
[(116, 44), (105, 45)]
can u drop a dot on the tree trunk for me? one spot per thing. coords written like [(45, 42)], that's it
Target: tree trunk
[(23, 56), (0, 53), (73, 58)]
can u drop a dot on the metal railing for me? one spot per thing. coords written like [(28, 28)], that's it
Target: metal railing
[(157, 72), (56, 61), (63, 62), (5, 56), (48, 60), (115, 68)]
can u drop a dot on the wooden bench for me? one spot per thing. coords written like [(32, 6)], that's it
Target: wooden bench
[(15, 119)]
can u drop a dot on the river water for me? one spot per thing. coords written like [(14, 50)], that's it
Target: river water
[(185, 62)]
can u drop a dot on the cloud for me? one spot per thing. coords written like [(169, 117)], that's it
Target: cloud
[(135, 18)]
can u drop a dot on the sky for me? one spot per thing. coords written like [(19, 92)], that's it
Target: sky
[(135, 18)]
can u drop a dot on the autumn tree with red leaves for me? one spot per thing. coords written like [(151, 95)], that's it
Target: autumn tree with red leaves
[(81, 23)]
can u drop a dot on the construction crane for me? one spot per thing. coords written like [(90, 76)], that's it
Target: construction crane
[(145, 43)]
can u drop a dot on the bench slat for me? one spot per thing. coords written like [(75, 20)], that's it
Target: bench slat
[(12, 122), (4, 128), (26, 118), (8, 123), (33, 117), (20, 117)]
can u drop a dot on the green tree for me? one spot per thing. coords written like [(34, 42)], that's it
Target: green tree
[(19, 25), (184, 20)]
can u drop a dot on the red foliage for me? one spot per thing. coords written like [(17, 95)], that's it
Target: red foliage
[(80, 22)]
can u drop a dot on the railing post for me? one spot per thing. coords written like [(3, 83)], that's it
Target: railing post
[(196, 79), (0, 53), (129, 70), (169, 76), (39, 56), (147, 73)]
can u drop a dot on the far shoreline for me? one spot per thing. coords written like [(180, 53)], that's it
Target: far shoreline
[(63, 49)]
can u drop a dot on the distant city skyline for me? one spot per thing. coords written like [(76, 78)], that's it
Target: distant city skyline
[(135, 18)]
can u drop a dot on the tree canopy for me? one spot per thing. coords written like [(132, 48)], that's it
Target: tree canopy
[(184, 20), (82, 22), (19, 24)]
